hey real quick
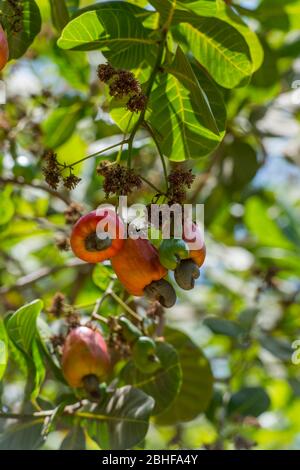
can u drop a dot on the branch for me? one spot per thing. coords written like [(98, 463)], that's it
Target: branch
[(21, 182)]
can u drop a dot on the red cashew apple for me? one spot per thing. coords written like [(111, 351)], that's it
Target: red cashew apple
[(84, 355), (4, 52)]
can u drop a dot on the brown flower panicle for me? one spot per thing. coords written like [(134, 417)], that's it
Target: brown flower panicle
[(179, 181), (122, 83), (73, 212), (118, 179), (57, 307)]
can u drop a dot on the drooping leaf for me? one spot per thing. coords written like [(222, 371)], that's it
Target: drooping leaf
[(197, 380), (249, 401), (182, 70), (21, 326), (162, 385), (59, 14), (122, 420), (179, 126), (113, 29), (22, 22)]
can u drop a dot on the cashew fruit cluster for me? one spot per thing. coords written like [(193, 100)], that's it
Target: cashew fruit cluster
[(85, 359), (135, 262), (179, 256), (139, 266), (4, 52)]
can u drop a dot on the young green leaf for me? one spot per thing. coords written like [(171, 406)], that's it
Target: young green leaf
[(21, 326), (3, 348)]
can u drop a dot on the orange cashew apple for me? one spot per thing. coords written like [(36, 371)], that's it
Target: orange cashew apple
[(138, 268), (85, 241)]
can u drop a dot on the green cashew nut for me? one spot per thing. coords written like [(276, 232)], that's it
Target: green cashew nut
[(171, 252), (144, 355), (130, 332)]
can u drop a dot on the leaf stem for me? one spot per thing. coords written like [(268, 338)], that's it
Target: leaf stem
[(161, 46), (150, 130), (96, 154), (124, 305)]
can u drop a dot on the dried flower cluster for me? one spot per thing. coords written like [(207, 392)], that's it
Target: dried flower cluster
[(123, 83), (52, 171), (118, 179), (62, 242), (57, 307), (179, 181), (16, 15)]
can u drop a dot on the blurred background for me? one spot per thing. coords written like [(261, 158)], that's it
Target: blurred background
[(244, 312)]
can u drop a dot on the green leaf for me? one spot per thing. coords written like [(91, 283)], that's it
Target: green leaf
[(263, 226), (60, 125), (122, 421), (227, 14), (26, 25), (164, 384), (174, 11), (220, 326), (114, 30), (38, 370), (244, 164), (3, 348), (21, 326), (72, 6), (280, 348), (249, 401), (219, 47), (22, 436), (102, 275), (197, 380), (74, 440), (182, 70), (177, 122), (59, 14)]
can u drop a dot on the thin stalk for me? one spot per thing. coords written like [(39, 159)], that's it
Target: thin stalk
[(93, 155), (125, 306), (149, 129)]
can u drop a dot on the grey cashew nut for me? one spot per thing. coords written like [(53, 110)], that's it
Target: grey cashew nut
[(186, 273), (162, 291)]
